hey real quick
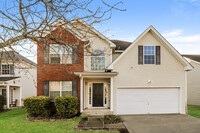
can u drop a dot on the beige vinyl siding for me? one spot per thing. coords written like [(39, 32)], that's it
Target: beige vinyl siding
[(169, 73), (194, 84)]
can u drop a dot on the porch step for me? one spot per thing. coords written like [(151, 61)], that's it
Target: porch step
[(95, 118), (97, 112)]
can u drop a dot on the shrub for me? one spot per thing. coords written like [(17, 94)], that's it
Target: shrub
[(111, 119), (66, 106), (37, 106), (1, 103)]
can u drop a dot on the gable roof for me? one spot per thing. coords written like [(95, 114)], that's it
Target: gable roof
[(15, 56), (151, 28), (193, 57), (112, 45), (61, 23), (121, 45)]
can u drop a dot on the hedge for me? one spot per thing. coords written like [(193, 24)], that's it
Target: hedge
[(1, 103), (37, 106), (66, 106)]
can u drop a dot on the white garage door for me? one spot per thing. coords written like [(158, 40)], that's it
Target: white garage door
[(148, 101)]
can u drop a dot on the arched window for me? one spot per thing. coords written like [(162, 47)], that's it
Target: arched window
[(98, 60)]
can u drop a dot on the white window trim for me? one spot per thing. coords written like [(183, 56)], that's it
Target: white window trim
[(154, 55), (60, 82)]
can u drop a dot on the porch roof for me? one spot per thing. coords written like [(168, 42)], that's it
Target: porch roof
[(96, 74)]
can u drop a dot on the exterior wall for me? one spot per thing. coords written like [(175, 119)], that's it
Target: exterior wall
[(169, 73), (95, 43), (194, 84), (115, 55), (59, 72), (27, 80)]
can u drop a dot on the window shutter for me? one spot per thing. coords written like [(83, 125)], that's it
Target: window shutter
[(75, 55), (46, 53), (74, 88), (46, 88), (158, 60), (0, 68), (11, 69), (140, 54)]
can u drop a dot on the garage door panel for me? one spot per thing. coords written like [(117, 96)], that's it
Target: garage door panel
[(147, 101)]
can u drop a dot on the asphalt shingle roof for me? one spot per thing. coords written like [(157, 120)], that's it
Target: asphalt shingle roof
[(15, 56)]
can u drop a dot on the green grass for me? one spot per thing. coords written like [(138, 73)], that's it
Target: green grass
[(194, 111), (14, 121)]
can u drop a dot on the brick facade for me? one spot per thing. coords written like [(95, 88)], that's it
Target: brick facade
[(59, 72)]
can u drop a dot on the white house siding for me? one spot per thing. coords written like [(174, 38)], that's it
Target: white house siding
[(27, 81), (194, 84), (169, 73)]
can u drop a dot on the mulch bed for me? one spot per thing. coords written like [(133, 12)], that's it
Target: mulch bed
[(107, 123)]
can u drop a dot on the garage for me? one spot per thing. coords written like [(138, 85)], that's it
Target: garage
[(148, 101)]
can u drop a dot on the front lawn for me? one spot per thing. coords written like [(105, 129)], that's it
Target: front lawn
[(194, 111), (14, 122)]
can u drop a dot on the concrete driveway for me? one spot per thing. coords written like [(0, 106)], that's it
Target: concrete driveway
[(174, 123)]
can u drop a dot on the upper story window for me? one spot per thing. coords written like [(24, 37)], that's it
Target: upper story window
[(7, 69), (60, 54), (149, 54), (98, 61)]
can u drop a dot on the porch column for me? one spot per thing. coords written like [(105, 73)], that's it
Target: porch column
[(81, 98), (8, 96), (111, 94), (20, 96)]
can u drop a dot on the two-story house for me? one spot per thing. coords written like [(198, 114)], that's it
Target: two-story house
[(17, 78), (149, 76)]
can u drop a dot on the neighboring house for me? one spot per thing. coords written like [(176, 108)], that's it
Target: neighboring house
[(17, 77), (194, 80), (148, 77)]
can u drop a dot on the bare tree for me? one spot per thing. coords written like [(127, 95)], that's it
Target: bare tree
[(23, 22), (27, 19)]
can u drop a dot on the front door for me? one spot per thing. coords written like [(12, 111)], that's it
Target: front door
[(4, 96), (97, 94)]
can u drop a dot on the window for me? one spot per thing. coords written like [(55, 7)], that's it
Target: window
[(5, 69), (149, 54), (98, 61), (60, 88), (60, 54), (66, 88)]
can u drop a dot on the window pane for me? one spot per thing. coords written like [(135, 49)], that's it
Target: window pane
[(54, 89), (67, 59), (98, 61), (149, 54), (67, 88), (54, 49)]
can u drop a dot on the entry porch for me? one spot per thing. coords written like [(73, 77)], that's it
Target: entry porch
[(96, 92), (12, 95)]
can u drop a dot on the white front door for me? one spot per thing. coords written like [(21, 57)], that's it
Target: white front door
[(148, 101)]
